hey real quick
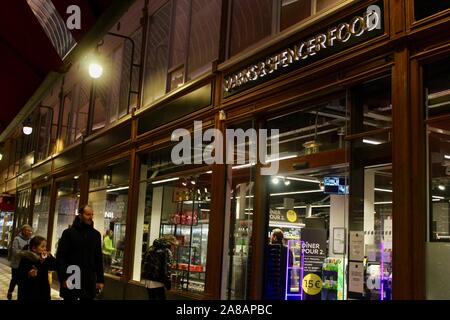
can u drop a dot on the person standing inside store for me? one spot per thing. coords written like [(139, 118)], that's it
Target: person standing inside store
[(80, 247), (108, 250), (276, 267), (35, 263), (157, 267), (19, 242)]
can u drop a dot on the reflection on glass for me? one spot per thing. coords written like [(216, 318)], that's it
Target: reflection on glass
[(437, 88), (180, 207), (172, 202), (439, 162), (422, 9), (240, 193), (317, 128), (378, 232), (6, 225), (305, 206), (67, 202), (293, 11), (249, 23), (372, 108), (108, 197), (40, 211)]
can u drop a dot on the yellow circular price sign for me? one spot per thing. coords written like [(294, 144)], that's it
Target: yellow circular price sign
[(291, 216), (312, 284)]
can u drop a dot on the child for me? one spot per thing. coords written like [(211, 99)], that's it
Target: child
[(33, 271)]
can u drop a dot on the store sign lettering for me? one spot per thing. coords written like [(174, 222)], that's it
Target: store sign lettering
[(299, 53)]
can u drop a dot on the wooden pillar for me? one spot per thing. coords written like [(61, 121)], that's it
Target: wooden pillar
[(216, 227), (259, 234), (131, 220), (403, 223), (419, 186)]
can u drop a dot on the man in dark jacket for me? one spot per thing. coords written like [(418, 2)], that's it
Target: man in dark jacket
[(276, 267), (80, 247)]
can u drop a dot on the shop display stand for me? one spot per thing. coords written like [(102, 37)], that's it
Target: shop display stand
[(333, 279), (294, 271)]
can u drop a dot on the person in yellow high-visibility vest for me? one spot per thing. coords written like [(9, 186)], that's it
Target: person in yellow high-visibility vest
[(107, 250)]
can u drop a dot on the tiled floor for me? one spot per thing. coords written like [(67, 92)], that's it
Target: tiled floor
[(5, 277)]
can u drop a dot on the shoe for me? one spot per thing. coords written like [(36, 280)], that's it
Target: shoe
[(9, 295)]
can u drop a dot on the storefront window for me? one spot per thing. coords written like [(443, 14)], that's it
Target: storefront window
[(329, 233), (317, 128), (46, 130), (40, 211), (108, 196), (372, 108), (423, 9), (439, 162), (157, 56), (80, 111), (241, 194), (67, 202), (308, 204), (173, 202), (250, 23), (437, 105), (21, 215), (437, 90), (371, 189), (254, 20), (6, 221), (371, 212), (294, 11), (204, 46)]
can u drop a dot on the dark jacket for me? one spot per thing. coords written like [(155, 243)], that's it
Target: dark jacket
[(35, 288), (158, 262), (275, 286), (80, 245)]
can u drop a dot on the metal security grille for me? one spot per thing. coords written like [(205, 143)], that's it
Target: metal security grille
[(53, 25)]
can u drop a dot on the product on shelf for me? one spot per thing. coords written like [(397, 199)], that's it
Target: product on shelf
[(185, 218), (332, 279)]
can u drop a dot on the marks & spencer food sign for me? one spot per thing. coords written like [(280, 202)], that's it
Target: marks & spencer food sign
[(349, 32)]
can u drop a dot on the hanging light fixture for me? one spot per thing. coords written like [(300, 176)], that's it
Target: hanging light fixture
[(27, 129), (95, 70), (313, 146)]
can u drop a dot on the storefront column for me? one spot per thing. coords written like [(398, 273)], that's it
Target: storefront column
[(131, 221), (405, 269), (259, 234), (216, 227), (419, 187)]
